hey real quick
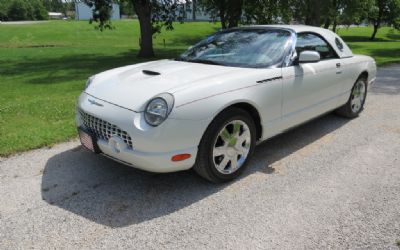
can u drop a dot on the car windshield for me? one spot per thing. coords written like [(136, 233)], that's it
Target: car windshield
[(251, 48)]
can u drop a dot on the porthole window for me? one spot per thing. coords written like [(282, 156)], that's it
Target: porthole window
[(339, 44)]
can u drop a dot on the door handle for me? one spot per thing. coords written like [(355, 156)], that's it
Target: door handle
[(338, 71)]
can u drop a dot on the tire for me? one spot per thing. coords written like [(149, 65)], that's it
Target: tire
[(355, 105), (231, 135)]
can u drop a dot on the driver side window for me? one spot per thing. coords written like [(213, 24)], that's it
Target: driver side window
[(309, 41)]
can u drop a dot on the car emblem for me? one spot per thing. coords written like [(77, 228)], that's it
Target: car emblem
[(95, 103)]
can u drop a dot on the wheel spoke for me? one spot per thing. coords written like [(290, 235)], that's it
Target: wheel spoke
[(234, 163), (218, 151), (225, 135), (242, 150), (243, 137), (231, 147), (236, 128), (222, 165)]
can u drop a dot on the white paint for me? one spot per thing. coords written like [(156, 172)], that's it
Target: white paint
[(297, 94)]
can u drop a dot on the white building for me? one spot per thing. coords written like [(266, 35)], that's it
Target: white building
[(84, 12), (55, 15)]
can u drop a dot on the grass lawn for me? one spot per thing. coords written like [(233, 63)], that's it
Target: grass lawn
[(43, 68)]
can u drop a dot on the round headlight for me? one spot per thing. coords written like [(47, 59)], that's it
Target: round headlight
[(158, 109)]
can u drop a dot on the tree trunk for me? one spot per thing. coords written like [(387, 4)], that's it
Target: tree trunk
[(194, 9), (234, 13), (314, 13), (376, 27), (327, 23), (377, 22), (143, 11), (222, 12), (334, 25)]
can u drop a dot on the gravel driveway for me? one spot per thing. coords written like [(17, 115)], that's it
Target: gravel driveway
[(331, 183)]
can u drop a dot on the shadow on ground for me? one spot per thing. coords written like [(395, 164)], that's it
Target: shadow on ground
[(114, 195), (388, 81)]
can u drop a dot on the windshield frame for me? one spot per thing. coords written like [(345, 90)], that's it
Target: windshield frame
[(285, 60)]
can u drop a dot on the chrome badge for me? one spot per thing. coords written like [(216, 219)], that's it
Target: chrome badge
[(93, 102)]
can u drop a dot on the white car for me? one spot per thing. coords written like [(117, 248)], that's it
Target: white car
[(208, 108)]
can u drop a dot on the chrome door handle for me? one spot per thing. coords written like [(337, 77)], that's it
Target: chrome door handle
[(338, 65)]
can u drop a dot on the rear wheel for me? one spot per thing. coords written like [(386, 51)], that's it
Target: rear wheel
[(226, 146), (355, 104)]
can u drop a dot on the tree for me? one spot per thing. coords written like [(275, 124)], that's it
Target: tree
[(4, 5), (194, 9), (308, 12), (39, 12), (384, 11), (267, 11), (152, 15), (354, 12), (16, 10), (229, 12), (54, 5)]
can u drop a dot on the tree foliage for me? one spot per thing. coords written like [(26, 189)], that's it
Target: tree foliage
[(17, 10), (228, 12), (152, 15), (267, 11), (384, 12)]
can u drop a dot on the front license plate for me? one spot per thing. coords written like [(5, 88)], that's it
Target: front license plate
[(87, 141)]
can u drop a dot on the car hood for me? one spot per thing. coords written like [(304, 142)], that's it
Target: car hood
[(133, 86)]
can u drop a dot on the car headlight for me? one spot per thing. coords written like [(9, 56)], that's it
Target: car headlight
[(158, 109), (89, 81)]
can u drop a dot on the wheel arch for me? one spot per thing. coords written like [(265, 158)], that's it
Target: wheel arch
[(364, 74), (251, 110)]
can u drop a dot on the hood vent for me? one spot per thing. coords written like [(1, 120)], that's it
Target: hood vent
[(151, 73)]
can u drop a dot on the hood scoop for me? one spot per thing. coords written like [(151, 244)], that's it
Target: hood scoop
[(151, 73)]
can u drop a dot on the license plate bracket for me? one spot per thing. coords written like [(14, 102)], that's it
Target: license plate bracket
[(88, 140)]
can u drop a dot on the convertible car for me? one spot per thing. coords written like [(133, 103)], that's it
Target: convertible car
[(208, 108)]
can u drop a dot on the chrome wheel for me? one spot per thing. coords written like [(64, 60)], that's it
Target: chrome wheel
[(357, 97), (232, 147)]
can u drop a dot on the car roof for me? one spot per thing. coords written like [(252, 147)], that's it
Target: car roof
[(328, 35)]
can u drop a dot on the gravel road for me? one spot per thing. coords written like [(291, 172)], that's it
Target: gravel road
[(331, 183)]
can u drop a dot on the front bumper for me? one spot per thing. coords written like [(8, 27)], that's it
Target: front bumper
[(152, 147), (371, 82)]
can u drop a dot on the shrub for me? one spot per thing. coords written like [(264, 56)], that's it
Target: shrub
[(17, 10)]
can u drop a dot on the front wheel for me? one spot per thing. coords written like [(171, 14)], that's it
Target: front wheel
[(226, 146), (355, 104)]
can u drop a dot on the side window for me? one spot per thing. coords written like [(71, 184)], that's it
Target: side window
[(309, 41)]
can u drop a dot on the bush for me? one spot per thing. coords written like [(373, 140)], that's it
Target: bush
[(39, 11), (17, 10)]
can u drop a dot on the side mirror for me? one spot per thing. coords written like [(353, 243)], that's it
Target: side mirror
[(309, 56)]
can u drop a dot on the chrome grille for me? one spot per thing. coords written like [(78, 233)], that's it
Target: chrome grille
[(103, 129)]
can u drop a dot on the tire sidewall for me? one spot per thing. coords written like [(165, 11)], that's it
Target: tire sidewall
[(215, 132), (363, 81)]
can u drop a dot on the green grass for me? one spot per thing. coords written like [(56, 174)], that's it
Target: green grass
[(385, 49), (43, 68)]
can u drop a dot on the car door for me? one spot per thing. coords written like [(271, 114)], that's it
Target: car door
[(310, 89)]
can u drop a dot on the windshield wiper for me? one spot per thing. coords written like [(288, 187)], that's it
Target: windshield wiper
[(205, 61)]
